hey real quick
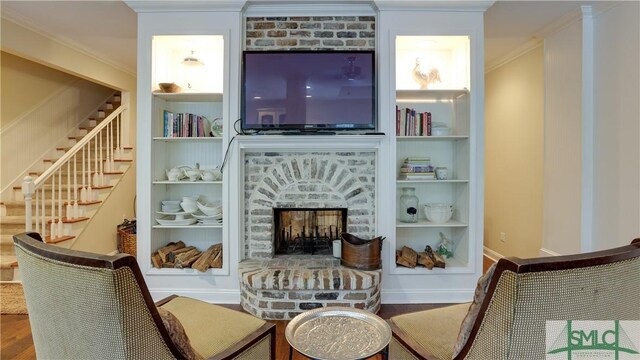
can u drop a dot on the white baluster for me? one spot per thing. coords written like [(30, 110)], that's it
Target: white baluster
[(75, 187), (102, 183), (89, 190), (37, 218), (118, 148), (44, 214), (69, 207), (96, 176), (54, 233), (83, 192), (60, 216)]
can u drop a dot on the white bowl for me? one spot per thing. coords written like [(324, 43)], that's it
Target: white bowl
[(210, 209), (438, 212), (190, 199), (189, 207)]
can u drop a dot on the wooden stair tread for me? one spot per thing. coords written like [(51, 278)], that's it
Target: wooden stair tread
[(49, 240), (85, 203), (122, 160), (113, 172)]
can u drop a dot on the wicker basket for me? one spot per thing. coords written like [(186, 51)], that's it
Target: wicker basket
[(128, 243), (127, 238)]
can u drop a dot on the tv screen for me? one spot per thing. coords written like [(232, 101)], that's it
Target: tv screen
[(308, 90)]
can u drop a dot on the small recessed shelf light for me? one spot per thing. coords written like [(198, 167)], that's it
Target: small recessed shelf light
[(308, 86), (257, 97), (308, 96)]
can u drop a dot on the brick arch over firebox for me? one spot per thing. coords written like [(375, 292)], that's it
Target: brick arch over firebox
[(306, 180)]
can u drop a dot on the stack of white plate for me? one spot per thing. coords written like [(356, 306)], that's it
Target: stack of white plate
[(171, 206)]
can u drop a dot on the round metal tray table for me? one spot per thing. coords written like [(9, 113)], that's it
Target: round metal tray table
[(338, 333)]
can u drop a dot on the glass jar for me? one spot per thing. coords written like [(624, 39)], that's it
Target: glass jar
[(408, 205)]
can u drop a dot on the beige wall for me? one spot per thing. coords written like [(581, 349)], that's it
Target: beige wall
[(19, 77), (35, 46), (514, 128), (100, 236)]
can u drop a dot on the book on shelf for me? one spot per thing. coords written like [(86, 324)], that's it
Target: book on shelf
[(417, 176), (183, 125), (410, 122)]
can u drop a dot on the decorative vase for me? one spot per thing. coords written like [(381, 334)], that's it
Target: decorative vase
[(408, 205)]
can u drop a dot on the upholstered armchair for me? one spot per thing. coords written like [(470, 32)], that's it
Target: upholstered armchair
[(88, 306), (513, 302)]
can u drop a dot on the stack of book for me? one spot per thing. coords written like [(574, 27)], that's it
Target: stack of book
[(410, 122), (417, 168), (183, 125)]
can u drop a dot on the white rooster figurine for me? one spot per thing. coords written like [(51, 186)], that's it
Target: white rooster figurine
[(425, 79)]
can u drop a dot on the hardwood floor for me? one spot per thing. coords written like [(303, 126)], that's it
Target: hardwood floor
[(16, 342)]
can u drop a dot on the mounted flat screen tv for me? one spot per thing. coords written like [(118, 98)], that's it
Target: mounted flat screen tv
[(308, 90)]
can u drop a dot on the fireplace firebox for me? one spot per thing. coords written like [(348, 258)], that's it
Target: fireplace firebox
[(309, 231)]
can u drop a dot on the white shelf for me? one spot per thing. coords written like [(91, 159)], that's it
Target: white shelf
[(432, 138), (195, 226), (429, 95), (189, 97), (187, 139), (167, 182), (185, 272), (423, 223), (453, 266), (432, 181)]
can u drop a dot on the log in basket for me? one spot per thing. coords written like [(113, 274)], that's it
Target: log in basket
[(360, 253)]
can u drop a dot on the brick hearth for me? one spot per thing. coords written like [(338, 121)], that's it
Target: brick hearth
[(283, 287)]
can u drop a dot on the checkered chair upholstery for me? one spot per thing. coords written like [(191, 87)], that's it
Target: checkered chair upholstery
[(88, 306), (522, 295)]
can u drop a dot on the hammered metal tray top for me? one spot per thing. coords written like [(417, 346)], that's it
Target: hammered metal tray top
[(338, 333)]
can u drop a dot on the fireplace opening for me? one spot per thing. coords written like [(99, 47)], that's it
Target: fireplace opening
[(311, 231)]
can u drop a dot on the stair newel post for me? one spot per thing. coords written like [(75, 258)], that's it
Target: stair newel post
[(60, 215), (83, 191), (27, 190)]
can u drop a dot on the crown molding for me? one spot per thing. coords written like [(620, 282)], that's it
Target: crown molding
[(298, 8), (513, 54), (142, 6), (440, 5), (26, 23)]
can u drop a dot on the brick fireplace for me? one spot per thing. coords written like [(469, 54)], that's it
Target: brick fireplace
[(281, 286)]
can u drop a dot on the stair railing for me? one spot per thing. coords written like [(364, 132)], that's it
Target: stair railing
[(84, 166)]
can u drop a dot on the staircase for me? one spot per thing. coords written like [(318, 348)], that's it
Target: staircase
[(60, 197)]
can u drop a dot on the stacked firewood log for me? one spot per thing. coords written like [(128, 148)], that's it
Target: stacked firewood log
[(408, 257), (178, 255)]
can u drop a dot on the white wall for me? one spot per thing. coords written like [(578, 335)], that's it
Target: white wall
[(514, 148), (617, 126), (562, 141)]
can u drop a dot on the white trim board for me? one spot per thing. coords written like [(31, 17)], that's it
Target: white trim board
[(493, 255)]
